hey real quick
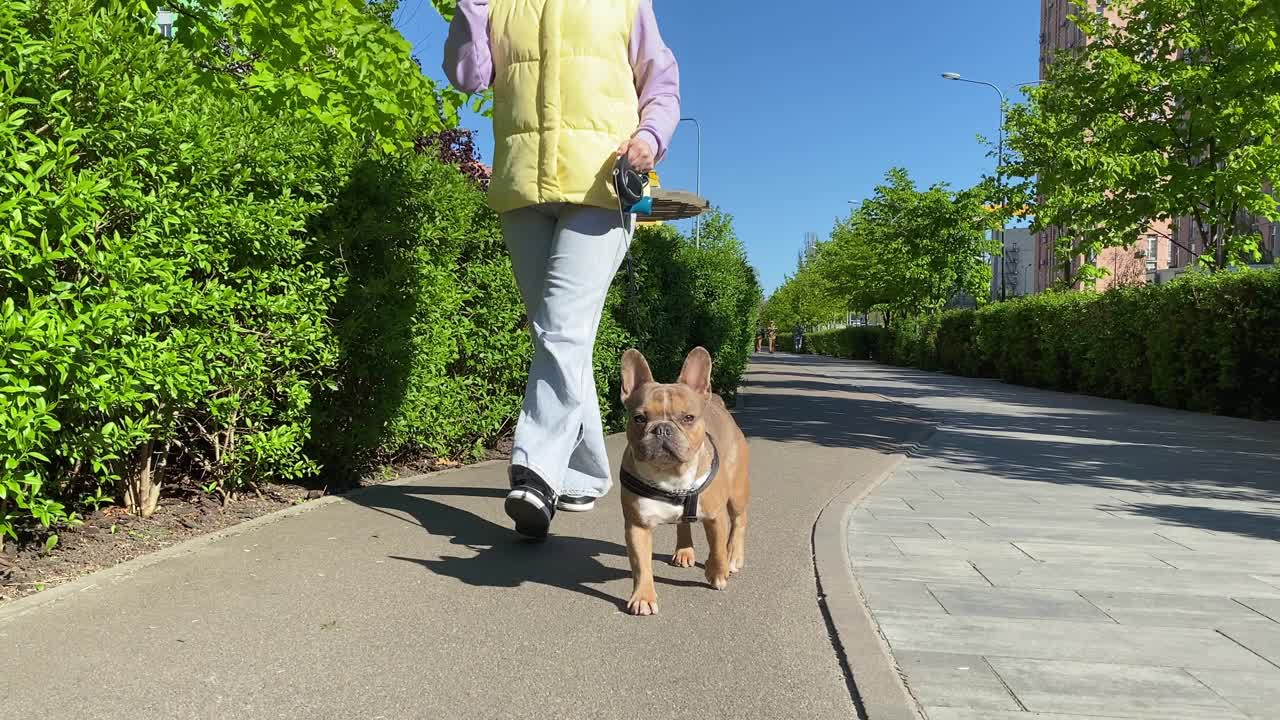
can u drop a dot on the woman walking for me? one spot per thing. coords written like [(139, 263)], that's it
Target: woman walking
[(576, 84)]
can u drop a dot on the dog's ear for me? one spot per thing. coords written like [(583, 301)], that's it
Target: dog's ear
[(696, 372), (635, 373)]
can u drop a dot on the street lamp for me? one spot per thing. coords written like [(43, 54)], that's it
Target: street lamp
[(999, 165), (697, 221)]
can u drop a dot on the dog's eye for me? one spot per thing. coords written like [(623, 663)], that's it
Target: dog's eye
[(688, 419), (640, 419)]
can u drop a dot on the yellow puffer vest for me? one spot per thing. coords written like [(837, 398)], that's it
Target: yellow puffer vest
[(564, 98)]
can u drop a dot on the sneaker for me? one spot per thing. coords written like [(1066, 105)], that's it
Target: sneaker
[(531, 503), (576, 503)]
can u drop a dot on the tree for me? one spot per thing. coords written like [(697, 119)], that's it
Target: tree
[(803, 299), (339, 61), (1171, 115), (907, 251)]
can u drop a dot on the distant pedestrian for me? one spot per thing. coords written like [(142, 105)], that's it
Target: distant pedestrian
[(773, 336), (759, 338), (798, 337)]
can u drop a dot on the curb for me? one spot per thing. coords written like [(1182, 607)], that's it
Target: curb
[(117, 573), (879, 690)]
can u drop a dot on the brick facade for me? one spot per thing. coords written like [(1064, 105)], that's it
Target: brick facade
[(1152, 251)]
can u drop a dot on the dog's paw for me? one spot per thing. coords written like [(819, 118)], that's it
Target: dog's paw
[(684, 558), (643, 602), (736, 561), (717, 576)]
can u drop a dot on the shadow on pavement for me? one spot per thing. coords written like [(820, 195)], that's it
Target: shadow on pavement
[(805, 403), (1215, 473), (501, 558)]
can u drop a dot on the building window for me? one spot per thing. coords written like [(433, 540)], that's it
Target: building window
[(1153, 251), (166, 29)]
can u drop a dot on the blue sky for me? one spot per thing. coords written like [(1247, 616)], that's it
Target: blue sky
[(805, 109)]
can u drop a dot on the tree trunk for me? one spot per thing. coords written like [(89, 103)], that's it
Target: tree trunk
[(141, 483)]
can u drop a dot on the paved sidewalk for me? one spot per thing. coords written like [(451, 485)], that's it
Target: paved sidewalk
[(1061, 557), (415, 600)]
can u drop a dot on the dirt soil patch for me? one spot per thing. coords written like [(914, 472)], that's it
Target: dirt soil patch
[(111, 536)]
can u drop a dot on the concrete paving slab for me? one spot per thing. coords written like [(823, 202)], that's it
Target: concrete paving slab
[(1267, 607), (1074, 641), (1170, 515), (1258, 635), (897, 597), (1255, 694), (875, 546), (975, 551), (1138, 579), (1153, 609), (920, 569), (951, 680), (1246, 559), (1092, 554), (1007, 603), (1031, 533), (897, 528), (1116, 690), (1272, 580), (888, 503)]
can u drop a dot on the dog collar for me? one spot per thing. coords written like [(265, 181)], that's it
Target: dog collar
[(687, 499)]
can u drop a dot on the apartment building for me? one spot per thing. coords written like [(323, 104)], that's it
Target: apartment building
[(1152, 251)]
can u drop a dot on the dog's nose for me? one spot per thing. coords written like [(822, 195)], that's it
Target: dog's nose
[(664, 430)]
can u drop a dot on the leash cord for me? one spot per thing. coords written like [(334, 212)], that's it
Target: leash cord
[(622, 219)]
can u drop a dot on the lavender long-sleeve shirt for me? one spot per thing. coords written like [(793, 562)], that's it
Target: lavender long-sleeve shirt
[(468, 63)]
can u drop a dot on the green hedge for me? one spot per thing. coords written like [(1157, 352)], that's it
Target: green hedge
[(1208, 343), (685, 296), (163, 304), (198, 294)]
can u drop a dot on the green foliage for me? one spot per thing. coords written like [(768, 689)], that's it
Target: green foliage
[(909, 251), (685, 296), (338, 62), (161, 300), (903, 252), (1214, 344), (854, 343), (1172, 116), (1208, 343), (199, 290), (433, 347)]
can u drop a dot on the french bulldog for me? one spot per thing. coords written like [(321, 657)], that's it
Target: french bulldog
[(681, 442)]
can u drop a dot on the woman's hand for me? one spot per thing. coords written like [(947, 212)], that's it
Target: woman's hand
[(638, 153)]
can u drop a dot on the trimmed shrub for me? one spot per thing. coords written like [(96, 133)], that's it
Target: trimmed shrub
[(677, 296), (957, 349), (162, 303), (1208, 343), (433, 346), (1214, 344), (197, 292)]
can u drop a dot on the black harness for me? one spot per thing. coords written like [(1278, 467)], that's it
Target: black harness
[(687, 499)]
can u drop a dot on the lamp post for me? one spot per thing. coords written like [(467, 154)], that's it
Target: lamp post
[(697, 221), (999, 165)]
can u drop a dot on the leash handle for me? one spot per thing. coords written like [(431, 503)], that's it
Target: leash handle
[(630, 186)]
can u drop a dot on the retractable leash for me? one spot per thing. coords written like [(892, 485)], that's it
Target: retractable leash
[(637, 197), (633, 198)]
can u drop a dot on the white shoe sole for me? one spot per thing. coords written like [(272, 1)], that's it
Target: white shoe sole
[(576, 507), (530, 513)]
